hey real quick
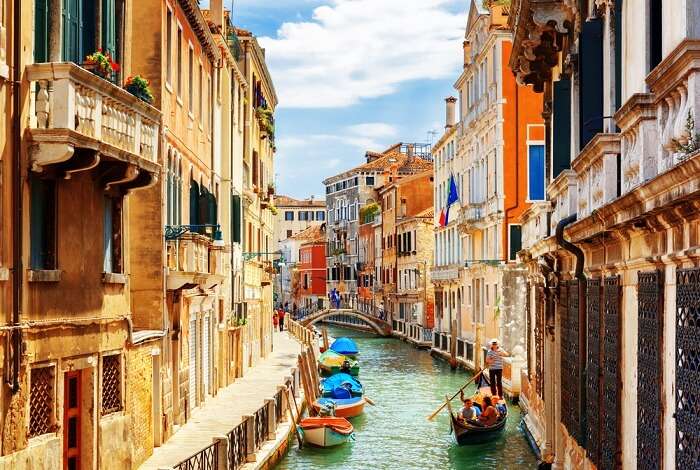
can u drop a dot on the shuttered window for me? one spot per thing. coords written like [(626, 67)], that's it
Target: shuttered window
[(194, 202), (112, 235), (591, 80), (514, 241), (561, 126), (109, 27), (78, 30), (41, 31), (535, 170), (42, 223), (236, 219)]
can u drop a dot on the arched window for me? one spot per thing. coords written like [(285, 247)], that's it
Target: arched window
[(194, 201)]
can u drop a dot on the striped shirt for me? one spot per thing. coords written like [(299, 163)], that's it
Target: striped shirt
[(496, 360)]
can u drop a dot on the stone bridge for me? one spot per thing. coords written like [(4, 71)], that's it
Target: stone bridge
[(379, 326)]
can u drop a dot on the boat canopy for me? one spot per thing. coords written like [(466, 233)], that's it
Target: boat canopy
[(345, 346)]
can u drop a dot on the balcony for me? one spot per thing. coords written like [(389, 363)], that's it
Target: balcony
[(637, 122), (471, 214), (445, 273), (539, 28), (194, 261), (596, 167), (81, 122), (536, 223), (563, 194)]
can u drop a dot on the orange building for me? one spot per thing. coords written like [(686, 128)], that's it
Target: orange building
[(312, 267)]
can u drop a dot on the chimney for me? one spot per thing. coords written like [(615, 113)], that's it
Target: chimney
[(409, 151), (467, 46), (216, 11), (450, 111)]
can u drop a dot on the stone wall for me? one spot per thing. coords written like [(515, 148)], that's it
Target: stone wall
[(513, 308), (138, 403)]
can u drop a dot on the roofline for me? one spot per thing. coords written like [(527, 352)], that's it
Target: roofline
[(259, 56), (201, 28)]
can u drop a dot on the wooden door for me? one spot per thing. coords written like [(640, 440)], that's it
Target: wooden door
[(71, 421)]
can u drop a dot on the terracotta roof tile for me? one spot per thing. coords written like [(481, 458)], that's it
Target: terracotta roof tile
[(312, 234), (286, 201)]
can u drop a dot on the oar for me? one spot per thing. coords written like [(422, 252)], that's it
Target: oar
[(435, 413), (369, 400)]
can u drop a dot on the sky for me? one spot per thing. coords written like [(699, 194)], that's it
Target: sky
[(352, 76)]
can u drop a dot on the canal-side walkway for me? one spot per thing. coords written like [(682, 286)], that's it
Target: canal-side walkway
[(224, 411)]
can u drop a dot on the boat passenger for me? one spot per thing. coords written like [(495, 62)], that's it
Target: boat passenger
[(500, 405), (490, 414), (469, 412), (345, 367)]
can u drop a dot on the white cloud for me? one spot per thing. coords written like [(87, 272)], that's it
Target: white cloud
[(363, 136), (373, 129), (358, 49)]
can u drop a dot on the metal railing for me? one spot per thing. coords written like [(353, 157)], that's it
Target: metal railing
[(205, 459), (238, 445)]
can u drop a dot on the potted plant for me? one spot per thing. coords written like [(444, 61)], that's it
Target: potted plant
[(272, 209), (101, 64), (270, 189), (140, 88), (266, 121)]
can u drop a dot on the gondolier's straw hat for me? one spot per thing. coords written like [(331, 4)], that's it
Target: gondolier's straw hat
[(494, 341)]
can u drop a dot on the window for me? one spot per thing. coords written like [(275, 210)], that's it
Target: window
[(535, 166), (190, 95), (112, 235), (369, 180), (514, 241), (302, 215), (111, 384), (78, 30), (41, 31), (41, 401), (109, 28), (236, 219), (43, 223), (288, 215), (289, 233), (179, 61), (320, 215)]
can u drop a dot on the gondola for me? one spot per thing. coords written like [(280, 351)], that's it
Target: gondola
[(466, 434)]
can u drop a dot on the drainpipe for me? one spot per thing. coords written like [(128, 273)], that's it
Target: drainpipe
[(582, 317), (17, 268)]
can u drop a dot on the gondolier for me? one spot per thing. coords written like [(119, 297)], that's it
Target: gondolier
[(494, 361)]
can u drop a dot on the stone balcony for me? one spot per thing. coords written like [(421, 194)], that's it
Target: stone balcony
[(80, 122), (445, 273), (536, 223), (596, 168), (193, 261), (471, 213), (563, 194)]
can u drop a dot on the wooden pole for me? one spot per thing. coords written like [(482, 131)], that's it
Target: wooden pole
[(305, 382), (294, 421), (313, 365), (453, 345), (324, 332)]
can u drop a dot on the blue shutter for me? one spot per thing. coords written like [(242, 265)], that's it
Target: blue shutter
[(107, 225), (536, 172)]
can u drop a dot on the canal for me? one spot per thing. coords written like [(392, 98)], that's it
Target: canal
[(407, 385)]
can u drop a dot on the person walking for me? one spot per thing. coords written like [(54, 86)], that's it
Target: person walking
[(281, 315), (275, 320), (494, 361)]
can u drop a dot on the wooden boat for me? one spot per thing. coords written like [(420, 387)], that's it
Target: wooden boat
[(341, 385), (326, 431), (331, 363), (467, 434), (344, 407)]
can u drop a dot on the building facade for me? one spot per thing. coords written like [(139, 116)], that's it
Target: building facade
[(312, 269), (296, 215), (610, 253)]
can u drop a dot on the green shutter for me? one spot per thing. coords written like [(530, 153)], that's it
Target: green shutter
[(590, 80), (236, 218), (194, 202), (78, 30), (516, 244), (41, 31), (109, 27), (561, 126)]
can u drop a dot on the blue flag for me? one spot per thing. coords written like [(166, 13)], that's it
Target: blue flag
[(452, 197)]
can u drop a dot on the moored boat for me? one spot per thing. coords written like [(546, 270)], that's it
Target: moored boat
[(345, 346), (341, 385), (344, 407), (326, 431), (331, 362)]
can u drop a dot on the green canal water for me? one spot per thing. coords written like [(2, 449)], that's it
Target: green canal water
[(407, 385)]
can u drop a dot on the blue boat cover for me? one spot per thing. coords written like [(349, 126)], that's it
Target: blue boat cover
[(341, 380), (341, 393), (344, 346)]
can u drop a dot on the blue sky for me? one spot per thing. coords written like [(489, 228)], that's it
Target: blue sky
[(353, 75)]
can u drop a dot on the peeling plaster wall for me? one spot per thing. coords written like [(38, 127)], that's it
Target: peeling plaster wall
[(513, 311)]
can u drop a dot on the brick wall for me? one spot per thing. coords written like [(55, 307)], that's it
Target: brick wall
[(139, 390)]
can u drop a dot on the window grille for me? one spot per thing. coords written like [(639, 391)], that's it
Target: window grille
[(41, 399), (111, 384)]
